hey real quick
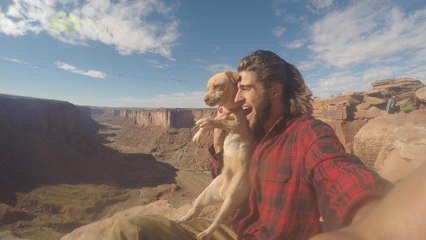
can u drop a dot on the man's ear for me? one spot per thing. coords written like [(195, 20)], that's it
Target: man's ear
[(276, 90)]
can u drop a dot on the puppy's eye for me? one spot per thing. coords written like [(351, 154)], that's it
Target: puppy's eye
[(217, 87)]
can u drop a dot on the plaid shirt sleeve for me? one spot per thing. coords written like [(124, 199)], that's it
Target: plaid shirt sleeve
[(216, 162), (342, 182)]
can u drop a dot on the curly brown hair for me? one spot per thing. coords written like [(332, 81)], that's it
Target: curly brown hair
[(270, 68)]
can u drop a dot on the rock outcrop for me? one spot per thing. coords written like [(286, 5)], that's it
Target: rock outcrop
[(100, 229), (164, 133), (421, 97), (164, 117), (393, 145), (348, 113)]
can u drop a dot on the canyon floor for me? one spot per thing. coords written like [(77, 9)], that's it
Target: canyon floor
[(51, 211)]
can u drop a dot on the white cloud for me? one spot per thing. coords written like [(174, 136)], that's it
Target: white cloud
[(298, 43), (367, 32), (340, 82), (73, 69), (17, 61), (12, 60), (364, 42), (350, 81), (157, 64), (220, 67), (182, 100), (278, 31), (128, 26), (306, 65), (283, 9), (320, 4)]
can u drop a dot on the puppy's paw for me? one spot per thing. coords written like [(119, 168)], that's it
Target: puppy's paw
[(204, 235), (201, 121), (179, 221), (182, 219), (205, 123), (196, 137)]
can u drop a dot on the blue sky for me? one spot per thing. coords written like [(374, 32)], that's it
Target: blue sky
[(152, 53)]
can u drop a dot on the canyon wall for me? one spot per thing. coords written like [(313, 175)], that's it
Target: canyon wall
[(20, 117), (164, 117), (164, 133), (45, 142), (348, 113)]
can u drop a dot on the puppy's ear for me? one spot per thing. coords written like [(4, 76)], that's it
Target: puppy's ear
[(233, 76)]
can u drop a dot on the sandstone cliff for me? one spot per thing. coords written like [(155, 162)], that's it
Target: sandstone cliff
[(165, 118), (348, 113), (393, 145), (55, 172), (47, 141), (165, 133)]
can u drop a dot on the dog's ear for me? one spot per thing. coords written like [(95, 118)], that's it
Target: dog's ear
[(233, 76)]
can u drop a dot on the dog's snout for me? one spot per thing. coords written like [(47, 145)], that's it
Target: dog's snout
[(206, 98)]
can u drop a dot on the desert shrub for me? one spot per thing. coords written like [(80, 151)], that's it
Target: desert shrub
[(407, 107)]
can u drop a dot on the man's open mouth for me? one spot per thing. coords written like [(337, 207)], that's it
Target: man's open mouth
[(247, 110)]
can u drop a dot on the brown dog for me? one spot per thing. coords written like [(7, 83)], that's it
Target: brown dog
[(232, 185)]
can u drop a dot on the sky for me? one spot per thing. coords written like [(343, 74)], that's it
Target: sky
[(155, 53)]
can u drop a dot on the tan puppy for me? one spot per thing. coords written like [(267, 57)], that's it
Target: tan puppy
[(232, 185)]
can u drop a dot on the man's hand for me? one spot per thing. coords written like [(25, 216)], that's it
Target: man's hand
[(399, 215)]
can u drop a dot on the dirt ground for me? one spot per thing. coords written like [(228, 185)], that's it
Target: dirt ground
[(49, 212)]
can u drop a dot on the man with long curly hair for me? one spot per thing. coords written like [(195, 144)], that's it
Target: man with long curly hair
[(302, 182)]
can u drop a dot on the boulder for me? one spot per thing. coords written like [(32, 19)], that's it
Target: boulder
[(9, 235), (337, 108), (393, 144), (400, 87), (100, 229), (333, 111), (374, 100), (421, 94), (403, 152), (367, 111), (346, 114), (369, 139), (9, 215), (420, 98)]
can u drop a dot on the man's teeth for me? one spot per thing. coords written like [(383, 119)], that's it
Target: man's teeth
[(246, 110)]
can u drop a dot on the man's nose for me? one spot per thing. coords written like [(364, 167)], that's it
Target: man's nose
[(239, 100)]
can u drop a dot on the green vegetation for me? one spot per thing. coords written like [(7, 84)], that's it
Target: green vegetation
[(407, 107)]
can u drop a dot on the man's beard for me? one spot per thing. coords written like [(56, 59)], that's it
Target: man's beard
[(263, 112)]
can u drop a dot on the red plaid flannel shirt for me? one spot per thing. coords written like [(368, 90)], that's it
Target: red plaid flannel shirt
[(299, 173)]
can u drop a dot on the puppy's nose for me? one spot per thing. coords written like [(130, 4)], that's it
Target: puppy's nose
[(206, 99)]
